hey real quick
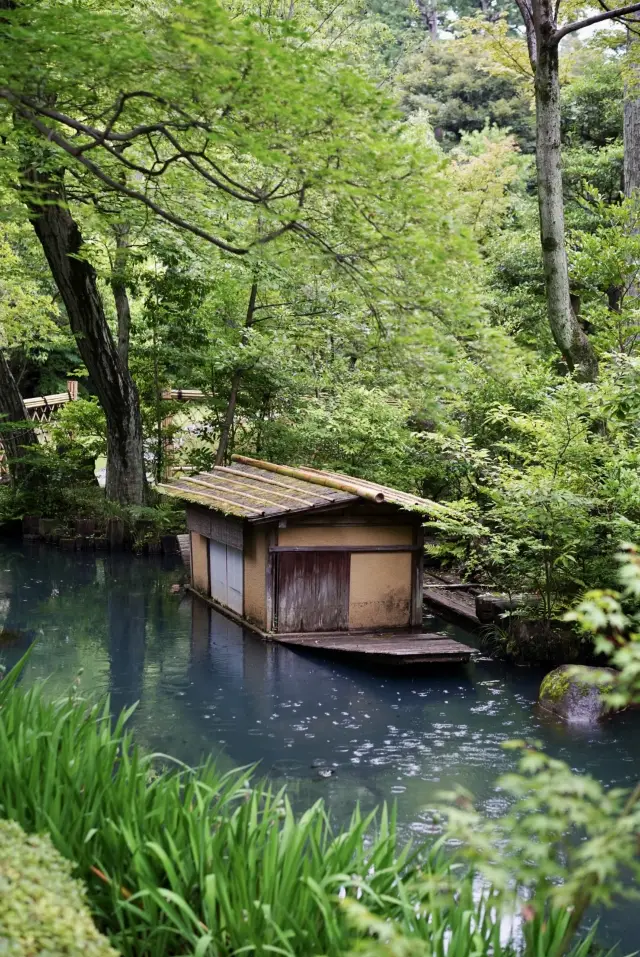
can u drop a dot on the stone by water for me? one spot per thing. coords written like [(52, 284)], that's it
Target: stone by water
[(205, 687)]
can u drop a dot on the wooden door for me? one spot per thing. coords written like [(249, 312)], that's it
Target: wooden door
[(313, 591)]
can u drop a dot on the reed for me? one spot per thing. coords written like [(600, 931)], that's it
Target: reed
[(182, 861)]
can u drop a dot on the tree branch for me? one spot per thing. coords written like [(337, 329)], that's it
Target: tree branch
[(589, 21), (526, 11), (117, 187)]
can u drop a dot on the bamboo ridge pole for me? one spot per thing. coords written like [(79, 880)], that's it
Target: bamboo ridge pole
[(316, 478)]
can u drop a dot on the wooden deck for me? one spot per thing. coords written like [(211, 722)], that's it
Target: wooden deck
[(402, 648), (450, 598)]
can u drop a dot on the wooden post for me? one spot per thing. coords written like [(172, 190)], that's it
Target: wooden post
[(72, 389), (272, 540), (417, 568)]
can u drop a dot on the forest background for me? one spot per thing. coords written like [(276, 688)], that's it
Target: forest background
[(326, 216)]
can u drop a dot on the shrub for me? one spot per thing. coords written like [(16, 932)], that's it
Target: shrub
[(43, 910)]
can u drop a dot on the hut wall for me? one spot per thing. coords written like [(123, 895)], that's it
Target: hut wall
[(380, 583), (346, 535), (200, 562), (380, 593), (255, 564)]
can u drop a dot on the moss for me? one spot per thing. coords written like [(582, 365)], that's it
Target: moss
[(42, 908), (555, 685)]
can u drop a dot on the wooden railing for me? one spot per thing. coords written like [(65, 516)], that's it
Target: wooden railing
[(41, 408), (185, 395)]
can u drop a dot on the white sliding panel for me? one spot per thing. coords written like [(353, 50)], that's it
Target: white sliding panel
[(226, 572), (218, 571), (234, 580)]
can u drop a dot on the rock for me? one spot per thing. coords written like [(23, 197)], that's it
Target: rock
[(568, 693), (115, 532), (85, 527), (46, 528), (325, 773), (490, 607), (31, 525)]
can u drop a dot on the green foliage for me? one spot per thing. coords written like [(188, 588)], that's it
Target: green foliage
[(359, 431), (567, 840), (449, 81), (178, 860), (78, 429), (42, 908), (552, 487)]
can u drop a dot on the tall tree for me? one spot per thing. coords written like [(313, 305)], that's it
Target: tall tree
[(75, 277), (261, 139), (544, 34), (632, 113)]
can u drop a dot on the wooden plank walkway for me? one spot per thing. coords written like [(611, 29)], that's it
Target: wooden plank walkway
[(457, 604), (402, 648)]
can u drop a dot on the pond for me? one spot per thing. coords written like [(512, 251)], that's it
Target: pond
[(206, 687)]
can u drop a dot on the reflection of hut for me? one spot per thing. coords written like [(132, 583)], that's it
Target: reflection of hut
[(300, 550)]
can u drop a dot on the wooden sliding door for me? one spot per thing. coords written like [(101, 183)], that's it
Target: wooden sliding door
[(312, 591)]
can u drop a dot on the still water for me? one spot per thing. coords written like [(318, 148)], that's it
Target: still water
[(205, 686)]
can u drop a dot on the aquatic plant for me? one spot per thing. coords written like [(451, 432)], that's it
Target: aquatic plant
[(193, 861)]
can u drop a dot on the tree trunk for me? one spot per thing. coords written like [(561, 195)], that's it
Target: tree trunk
[(631, 137), (75, 278), (230, 411), (632, 118), (16, 442), (119, 289), (227, 424), (429, 12), (631, 146), (567, 331)]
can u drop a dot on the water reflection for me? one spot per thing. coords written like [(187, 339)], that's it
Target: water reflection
[(324, 727)]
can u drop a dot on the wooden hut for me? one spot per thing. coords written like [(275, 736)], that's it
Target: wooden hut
[(299, 551)]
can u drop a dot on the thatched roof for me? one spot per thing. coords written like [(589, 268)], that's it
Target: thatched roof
[(256, 490)]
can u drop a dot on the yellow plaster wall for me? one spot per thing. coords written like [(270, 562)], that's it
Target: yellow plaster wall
[(255, 570), (199, 562), (380, 590), (346, 535)]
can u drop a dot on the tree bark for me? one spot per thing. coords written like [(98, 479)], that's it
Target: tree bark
[(119, 289), (230, 411), (229, 415), (429, 13), (631, 139), (567, 332), (16, 442), (631, 142), (75, 278)]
